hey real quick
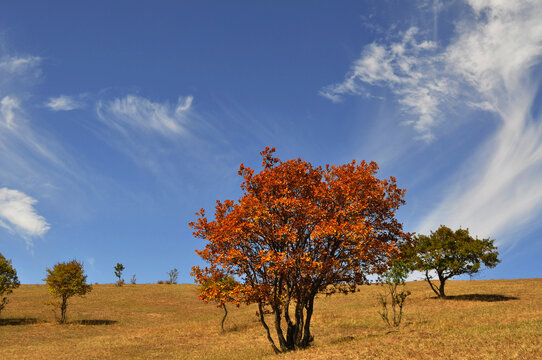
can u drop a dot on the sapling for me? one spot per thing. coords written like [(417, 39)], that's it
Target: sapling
[(119, 268), (395, 293)]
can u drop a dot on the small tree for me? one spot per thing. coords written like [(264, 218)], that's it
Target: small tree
[(133, 279), (220, 289), (8, 280), (66, 280), (394, 283), (449, 254), (173, 276), (119, 268)]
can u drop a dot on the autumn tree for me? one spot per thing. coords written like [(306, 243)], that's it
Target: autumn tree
[(449, 253), (218, 288), (65, 280), (8, 280), (298, 230)]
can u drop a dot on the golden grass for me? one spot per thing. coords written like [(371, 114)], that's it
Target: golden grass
[(493, 319)]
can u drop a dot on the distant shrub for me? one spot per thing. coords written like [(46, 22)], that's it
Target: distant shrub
[(8, 280), (395, 294), (119, 268), (161, 282), (64, 281), (133, 279), (173, 276)]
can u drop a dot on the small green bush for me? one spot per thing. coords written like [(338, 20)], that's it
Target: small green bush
[(65, 280), (119, 268), (395, 294)]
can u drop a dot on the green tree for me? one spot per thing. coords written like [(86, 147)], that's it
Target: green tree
[(8, 280), (450, 253), (119, 268), (66, 280)]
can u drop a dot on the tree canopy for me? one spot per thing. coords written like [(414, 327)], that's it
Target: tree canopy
[(219, 288), (450, 253), (298, 230), (8, 280), (65, 280)]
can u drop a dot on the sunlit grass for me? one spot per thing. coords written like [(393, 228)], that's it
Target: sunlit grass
[(494, 319)]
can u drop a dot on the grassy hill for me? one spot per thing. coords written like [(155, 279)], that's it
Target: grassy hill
[(493, 319)]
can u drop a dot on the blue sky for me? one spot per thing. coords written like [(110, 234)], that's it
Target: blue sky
[(119, 120)]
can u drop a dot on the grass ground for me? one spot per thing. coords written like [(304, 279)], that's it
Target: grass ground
[(493, 319)]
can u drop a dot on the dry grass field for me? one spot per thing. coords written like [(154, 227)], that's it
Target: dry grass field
[(494, 319)]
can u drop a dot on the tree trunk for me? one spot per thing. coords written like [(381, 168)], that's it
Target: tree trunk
[(307, 337), (291, 332), (224, 318), (433, 287), (63, 307), (284, 346), (299, 328), (298, 335), (264, 324), (441, 287)]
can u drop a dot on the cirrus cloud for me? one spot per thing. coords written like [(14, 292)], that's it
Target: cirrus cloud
[(17, 64), (491, 64), (64, 103), (135, 113)]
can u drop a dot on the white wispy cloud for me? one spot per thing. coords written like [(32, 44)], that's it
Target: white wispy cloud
[(17, 64), (149, 130), (500, 188), (17, 215), (135, 113), (32, 159), (64, 103), (407, 68), (8, 106), (18, 139), (490, 64)]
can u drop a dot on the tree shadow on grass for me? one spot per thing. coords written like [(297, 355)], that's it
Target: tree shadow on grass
[(481, 297), (18, 321), (95, 322), (343, 339), (236, 328)]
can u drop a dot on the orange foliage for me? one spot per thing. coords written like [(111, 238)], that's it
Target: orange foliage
[(298, 230), (218, 287)]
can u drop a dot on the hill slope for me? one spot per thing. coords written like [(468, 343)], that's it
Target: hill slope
[(493, 319)]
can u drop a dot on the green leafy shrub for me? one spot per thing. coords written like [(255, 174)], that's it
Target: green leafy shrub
[(8, 280), (65, 280), (395, 294), (119, 268)]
